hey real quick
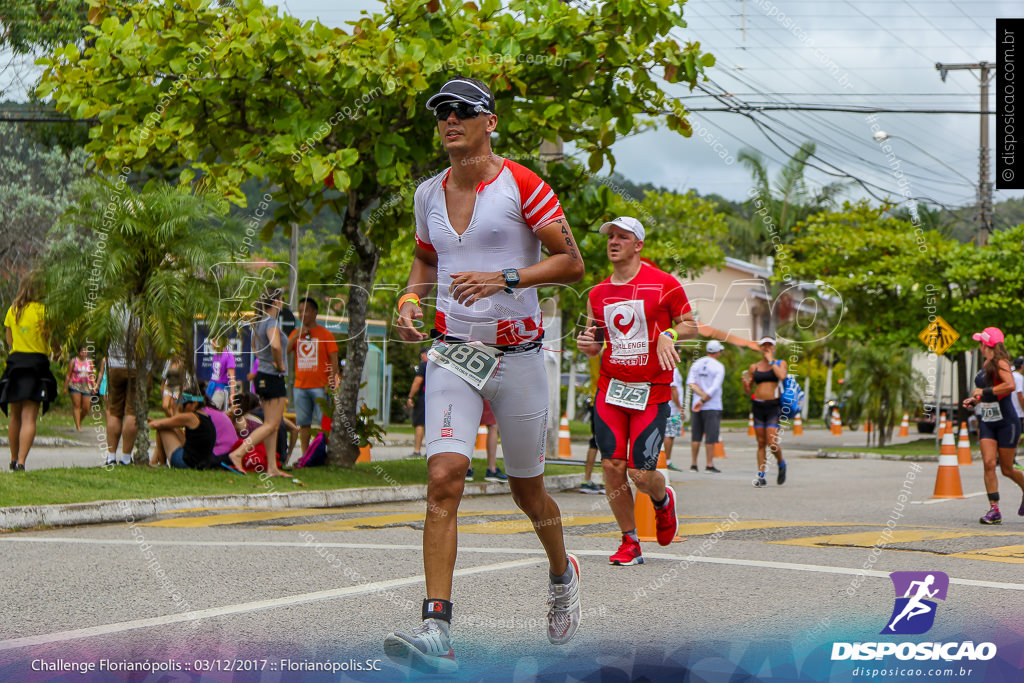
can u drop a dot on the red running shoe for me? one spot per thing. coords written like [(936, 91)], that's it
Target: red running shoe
[(628, 553), (665, 519)]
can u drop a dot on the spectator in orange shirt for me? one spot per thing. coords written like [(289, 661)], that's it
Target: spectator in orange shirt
[(316, 367)]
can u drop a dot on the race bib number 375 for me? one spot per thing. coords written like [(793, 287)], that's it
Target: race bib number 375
[(473, 363), (632, 395)]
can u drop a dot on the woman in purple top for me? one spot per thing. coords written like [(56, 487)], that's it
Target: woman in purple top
[(222, 374), (226, 434)]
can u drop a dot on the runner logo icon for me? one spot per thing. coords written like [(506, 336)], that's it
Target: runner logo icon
[(913, 612)]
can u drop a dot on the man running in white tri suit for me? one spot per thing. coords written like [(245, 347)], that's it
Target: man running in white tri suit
[(480, 226)]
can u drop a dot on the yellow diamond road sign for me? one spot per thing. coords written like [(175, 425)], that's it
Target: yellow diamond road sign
[(938, 336)]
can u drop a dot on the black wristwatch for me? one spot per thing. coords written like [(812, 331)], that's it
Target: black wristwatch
[(511, 276)]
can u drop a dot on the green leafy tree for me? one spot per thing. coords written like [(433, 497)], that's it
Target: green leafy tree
[(888, 275), (156, 257), (774, 208), (883, 385), (35, 189), (683, 234), (336, 119), (990, 288), (30, 25)]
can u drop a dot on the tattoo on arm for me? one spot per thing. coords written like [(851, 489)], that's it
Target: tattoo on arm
[(568, 240)]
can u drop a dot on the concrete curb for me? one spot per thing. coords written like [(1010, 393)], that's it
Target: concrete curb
[(110, 511), (862, 455), (51, 442)]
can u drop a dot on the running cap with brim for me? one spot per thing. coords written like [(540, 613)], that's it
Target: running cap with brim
[(767, 340), (714, 346), (626, 223), (463, 90), (990, 336)]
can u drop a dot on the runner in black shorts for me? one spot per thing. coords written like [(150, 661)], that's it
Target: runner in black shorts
[(641, 311), (998, 425), (764, 379)]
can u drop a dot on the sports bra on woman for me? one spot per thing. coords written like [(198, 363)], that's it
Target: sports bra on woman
[(765, 376)]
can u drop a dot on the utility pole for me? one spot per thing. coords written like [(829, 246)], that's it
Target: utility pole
[(984, 184), (293, 275), (551, 314)]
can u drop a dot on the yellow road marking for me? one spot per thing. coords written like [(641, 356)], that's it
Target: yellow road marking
[(1006, 553), (375, 522), (868, 539), (220, 509), (241, 517), (518, 526)]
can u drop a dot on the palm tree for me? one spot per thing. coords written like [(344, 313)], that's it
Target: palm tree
[(777, 206), (883, 385), (153, 257)]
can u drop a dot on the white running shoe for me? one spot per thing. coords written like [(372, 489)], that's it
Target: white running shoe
[(428, 648), (564, 615)]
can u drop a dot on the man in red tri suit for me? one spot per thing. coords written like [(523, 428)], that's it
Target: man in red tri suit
[(635, 317)]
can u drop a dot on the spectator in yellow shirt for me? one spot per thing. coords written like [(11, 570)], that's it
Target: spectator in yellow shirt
[(27, 381)]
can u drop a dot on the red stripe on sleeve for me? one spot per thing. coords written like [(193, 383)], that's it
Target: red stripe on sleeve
[(540, 204)]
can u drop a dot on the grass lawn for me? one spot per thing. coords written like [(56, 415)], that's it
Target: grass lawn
[(83, 484), (918, 447)]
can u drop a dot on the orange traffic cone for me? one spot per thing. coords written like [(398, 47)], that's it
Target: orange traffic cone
[(948, 445), (798, 426), (719, 449), (837, 424), (942, 424), (564, 438), (481, 439), (364, 454), (905, 426), (750, 425), (947, 479), (643, 509), (963, 446)]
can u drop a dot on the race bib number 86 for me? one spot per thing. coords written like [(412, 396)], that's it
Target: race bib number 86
[(475, 364)]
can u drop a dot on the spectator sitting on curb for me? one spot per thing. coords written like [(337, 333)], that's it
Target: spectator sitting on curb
[(194, 449)]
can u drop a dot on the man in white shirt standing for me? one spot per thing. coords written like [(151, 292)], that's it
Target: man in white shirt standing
[(674, 425), (705, 378)]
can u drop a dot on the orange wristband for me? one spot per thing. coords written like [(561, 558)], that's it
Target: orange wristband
[(408, 297)]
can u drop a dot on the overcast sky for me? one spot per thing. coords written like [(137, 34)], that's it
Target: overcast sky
[(839, 53)]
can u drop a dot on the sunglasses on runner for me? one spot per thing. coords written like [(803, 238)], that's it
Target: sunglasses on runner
[(462, 110)]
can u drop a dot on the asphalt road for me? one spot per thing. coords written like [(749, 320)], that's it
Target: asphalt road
[(764, 584)]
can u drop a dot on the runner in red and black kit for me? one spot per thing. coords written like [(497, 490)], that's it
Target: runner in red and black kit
[(635, 317)]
